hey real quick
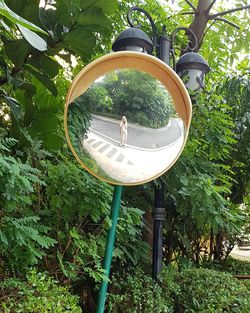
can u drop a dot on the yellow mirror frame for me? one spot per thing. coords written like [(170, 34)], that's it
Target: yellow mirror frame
[(137, 61)]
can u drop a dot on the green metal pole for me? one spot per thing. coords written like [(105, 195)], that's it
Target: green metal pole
[(115, 208)]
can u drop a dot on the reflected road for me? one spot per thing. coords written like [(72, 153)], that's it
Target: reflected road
[(139, 136)]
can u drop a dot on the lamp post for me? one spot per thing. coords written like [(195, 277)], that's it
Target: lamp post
[(191, 67)]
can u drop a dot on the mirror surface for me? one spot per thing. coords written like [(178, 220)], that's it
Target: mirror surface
[(124, 127)]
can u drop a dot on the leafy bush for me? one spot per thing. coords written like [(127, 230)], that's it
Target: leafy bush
[(192, 290), (78, 210), (79, 120), (22, 237), (130, 248), (246, 283), (38, 294), (142, 119), (230, 265), (236, 267), (138, 293), (76, 203), (209, 291)]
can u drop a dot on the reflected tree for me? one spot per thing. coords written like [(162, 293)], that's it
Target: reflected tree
[(79, 119), (137, 95), (98, 99)]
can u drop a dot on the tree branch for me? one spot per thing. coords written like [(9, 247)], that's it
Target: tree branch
[(210, 6), (200, 20), (226, 21), (205, 32), (213, 16), (191, 5), (184, 13)]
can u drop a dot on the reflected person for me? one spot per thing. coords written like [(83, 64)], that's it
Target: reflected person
[(123, 131)]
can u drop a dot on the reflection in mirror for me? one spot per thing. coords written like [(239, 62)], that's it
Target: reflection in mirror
[(125, 128)]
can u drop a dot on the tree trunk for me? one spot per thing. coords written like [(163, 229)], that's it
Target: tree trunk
[(211, 245), (201, 17), (219, 248)]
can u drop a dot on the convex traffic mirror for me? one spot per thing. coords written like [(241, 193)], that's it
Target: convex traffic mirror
[(127, 117)]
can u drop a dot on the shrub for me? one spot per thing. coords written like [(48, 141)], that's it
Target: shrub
[(246, 283), (210, 291), (236, 267), (142, 119), (230, 265), (190, 291), (138, 293), (38, 294), (129, 115), (23, 236)]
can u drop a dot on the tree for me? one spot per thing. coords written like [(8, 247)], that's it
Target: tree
[(137, 95)]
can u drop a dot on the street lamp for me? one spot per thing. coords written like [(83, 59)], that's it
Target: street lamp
[(191, 67)]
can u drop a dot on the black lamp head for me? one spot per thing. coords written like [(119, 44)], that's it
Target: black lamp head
[(133, 39), (192, 60), (192, 67)]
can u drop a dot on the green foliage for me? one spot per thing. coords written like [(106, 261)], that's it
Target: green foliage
[(98, 99), (240, 107), (141, 118), (22, 236), (203, 290), (78, 121), (25, 75), (78, 208), (137, 293), (15, 18), (199, 190), (191, 290), (246, 283), (23, 241), (200, 183), (130, 248), (72, 193), (130, 92), (26, 28), (232, 266), (39, 293)]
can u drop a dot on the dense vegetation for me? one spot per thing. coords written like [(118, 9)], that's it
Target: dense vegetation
[(191, 290), (54, 216), (137, 95)]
